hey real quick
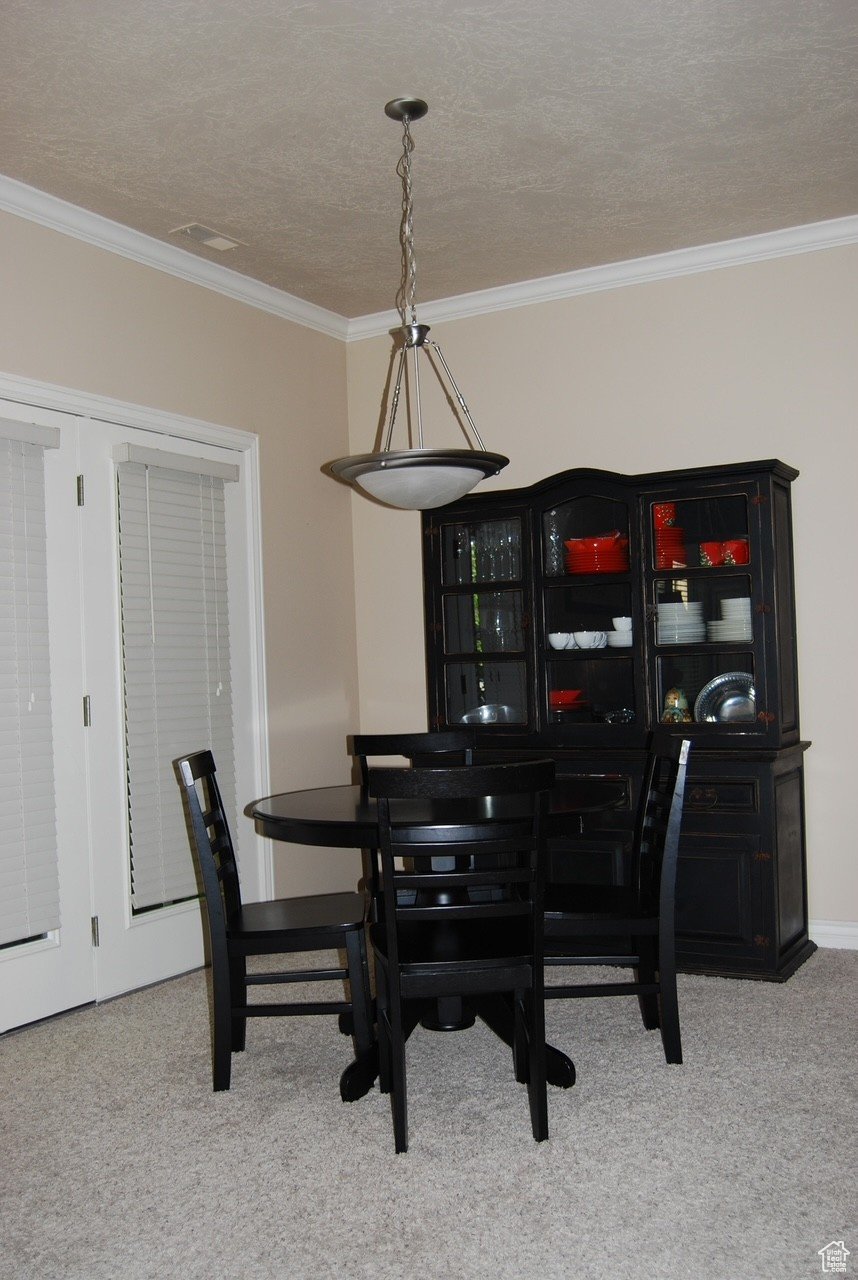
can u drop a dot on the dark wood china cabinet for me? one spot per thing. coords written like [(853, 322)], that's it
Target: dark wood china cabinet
[(570, 617)]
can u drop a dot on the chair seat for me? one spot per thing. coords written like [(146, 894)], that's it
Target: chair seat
[(331, 912), (609, 906)]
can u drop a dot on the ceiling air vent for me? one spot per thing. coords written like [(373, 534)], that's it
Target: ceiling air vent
[(206, 236)]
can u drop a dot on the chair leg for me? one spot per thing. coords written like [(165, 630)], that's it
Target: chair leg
[(670, 1036), (537, 1091), (238, 998), (520, 1041), (383, 1023), (361, 998), (222, 1023), (398, 1094), (646, 972)]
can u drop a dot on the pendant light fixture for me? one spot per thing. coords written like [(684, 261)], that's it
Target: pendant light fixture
[(417, 478)]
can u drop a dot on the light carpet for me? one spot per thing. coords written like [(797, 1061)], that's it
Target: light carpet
[(119, 1160)]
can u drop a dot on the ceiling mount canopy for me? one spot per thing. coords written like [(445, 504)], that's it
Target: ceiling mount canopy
[(417, 478)]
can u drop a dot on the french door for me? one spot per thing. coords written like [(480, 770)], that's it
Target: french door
[(106, 942)]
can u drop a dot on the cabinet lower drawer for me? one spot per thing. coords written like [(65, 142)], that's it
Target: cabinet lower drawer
[(722, 795)]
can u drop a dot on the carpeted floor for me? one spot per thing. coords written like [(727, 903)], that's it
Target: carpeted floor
[(119, 1161)]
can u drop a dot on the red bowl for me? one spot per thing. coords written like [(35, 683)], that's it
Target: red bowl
[(564, 697)]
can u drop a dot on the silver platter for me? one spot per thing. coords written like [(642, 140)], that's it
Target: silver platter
[(728, 699)]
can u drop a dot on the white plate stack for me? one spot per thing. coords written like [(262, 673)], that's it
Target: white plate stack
[(680, 623), (735, 621)]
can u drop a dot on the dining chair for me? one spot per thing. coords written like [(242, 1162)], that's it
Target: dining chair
[(460, 909), (284, 926), (442, 746), (630, 925), (438, 747)]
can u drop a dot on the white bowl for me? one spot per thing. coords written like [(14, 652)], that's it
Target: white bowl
[(591, 639), (561, 640), (622, 624)]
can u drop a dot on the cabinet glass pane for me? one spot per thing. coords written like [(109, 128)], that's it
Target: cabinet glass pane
[(707, 688), (706, 609), (603, 606), (486, 692), (486, 551), (484, 622), (587, 519), (700, 531), (586, 687)]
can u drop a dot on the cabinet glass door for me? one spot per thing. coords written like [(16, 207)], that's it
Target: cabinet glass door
[(484, 622), (589, 669), (709, 532), (703, 611)]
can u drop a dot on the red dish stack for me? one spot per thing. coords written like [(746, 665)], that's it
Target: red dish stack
[(670, 549), (669, 538), (601, 553)]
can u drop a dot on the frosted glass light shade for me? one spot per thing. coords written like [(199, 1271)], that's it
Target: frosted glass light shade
[(419, 479)]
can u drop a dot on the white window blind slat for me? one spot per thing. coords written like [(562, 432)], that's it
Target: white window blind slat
[(176, 659), (29, 901)]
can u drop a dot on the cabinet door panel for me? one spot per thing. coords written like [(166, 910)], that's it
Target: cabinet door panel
[(715, 888)]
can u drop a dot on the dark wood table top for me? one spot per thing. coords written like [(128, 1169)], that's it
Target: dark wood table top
[(346, 817)]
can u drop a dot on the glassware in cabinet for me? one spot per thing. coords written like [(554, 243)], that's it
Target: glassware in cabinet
[(485, 693), (481, 551), (484, 622)]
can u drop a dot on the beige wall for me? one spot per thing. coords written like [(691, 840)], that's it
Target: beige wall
[(84, 318), (745, 362)]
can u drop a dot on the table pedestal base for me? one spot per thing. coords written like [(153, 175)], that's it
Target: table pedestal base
[(495, 1011)]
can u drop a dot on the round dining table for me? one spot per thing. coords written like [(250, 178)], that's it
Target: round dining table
[(346, 817)]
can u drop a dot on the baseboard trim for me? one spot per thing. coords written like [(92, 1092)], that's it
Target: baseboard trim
[(842, 934)]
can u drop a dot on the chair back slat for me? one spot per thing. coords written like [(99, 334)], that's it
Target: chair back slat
[(211, 838)]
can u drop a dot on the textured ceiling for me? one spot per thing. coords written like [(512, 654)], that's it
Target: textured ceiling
[(561, 134)]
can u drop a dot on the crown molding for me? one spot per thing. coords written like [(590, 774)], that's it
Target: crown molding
[(617, 275), (70, 220)]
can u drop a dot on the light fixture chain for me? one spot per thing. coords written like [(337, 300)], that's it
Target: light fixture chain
[(417, 478), (408, 297)]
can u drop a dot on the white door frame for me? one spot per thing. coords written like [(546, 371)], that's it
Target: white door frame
[(32, 401)]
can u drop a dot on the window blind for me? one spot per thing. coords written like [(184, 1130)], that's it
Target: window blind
[(29, 880), (175, 656)]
